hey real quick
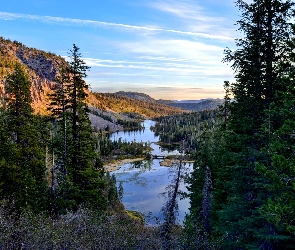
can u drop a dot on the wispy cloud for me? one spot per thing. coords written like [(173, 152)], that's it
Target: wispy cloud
[(176, 69), (196, 18), (170, 59), (178, 49), (95, 24), (184, 9)]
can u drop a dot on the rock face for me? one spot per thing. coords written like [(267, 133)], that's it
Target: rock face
[(42, 68)]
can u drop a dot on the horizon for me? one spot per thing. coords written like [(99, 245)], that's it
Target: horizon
[(177, 100), (167, 49)]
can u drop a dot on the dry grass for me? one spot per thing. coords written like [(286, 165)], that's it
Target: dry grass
[(81, 230)]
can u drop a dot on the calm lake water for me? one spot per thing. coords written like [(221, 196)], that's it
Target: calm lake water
[(145, 183)]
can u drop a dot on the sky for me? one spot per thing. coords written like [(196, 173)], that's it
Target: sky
[(168, 49)]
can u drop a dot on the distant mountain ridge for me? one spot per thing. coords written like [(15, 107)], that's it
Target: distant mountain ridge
[(136, 95), (190, 105), (193, 101), (197, 105)]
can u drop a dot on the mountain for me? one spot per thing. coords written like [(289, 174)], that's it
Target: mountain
[(110, 111), (194, 105), (123, 104), (188, 105), (136, 95), (42, 67)]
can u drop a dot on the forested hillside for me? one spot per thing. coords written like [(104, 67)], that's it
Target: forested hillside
[(124, 104), (242, 187), (55, 193), (196, 105), (187, 127), (50, 163)]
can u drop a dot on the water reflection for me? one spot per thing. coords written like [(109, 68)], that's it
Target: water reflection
[(140, 183), (145, 135)]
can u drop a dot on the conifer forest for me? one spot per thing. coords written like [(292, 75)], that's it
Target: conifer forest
[(56, 193)]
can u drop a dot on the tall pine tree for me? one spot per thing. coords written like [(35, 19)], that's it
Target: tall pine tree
[(280, 206), (22, 158), (258, 64), (240, 191), (82, 180)]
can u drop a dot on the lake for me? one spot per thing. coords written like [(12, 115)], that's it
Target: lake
[(144, 183)]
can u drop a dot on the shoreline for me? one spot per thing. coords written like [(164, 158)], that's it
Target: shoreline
[(111, 167), (170, 162)]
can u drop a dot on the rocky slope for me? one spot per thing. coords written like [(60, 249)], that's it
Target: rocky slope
[(42, 68)]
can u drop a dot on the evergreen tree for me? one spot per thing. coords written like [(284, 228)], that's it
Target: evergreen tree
[(86, 178), (280, 206), (80, 178), (59, 111), (22, 158), (239, 214), (258, 65), (61, 184)]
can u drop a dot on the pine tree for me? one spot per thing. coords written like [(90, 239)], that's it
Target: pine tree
[(59, 107), (60, 183), (241, 149), (86, 178), (280, 206), (258, 66), (23, 160), (80, 179)]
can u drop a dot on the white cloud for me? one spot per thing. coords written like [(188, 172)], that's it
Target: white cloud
[(196, 19), (92, 23), (174, 69), (175, 48), (166, 59), (184, 9)]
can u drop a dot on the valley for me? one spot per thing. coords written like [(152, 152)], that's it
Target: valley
[(83, 169)]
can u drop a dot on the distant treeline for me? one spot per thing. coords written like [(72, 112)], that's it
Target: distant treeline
[(119, 103)]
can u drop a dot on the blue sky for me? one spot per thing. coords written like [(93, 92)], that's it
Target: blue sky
[(169, 49)]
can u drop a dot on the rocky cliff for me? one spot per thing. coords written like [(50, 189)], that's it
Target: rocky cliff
[(42, 67)]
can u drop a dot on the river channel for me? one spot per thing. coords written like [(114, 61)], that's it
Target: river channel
[(144, 184)]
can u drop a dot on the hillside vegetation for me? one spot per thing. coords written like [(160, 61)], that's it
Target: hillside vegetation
[(196, 106), (41, 67), (123, 104), (242, 185)]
